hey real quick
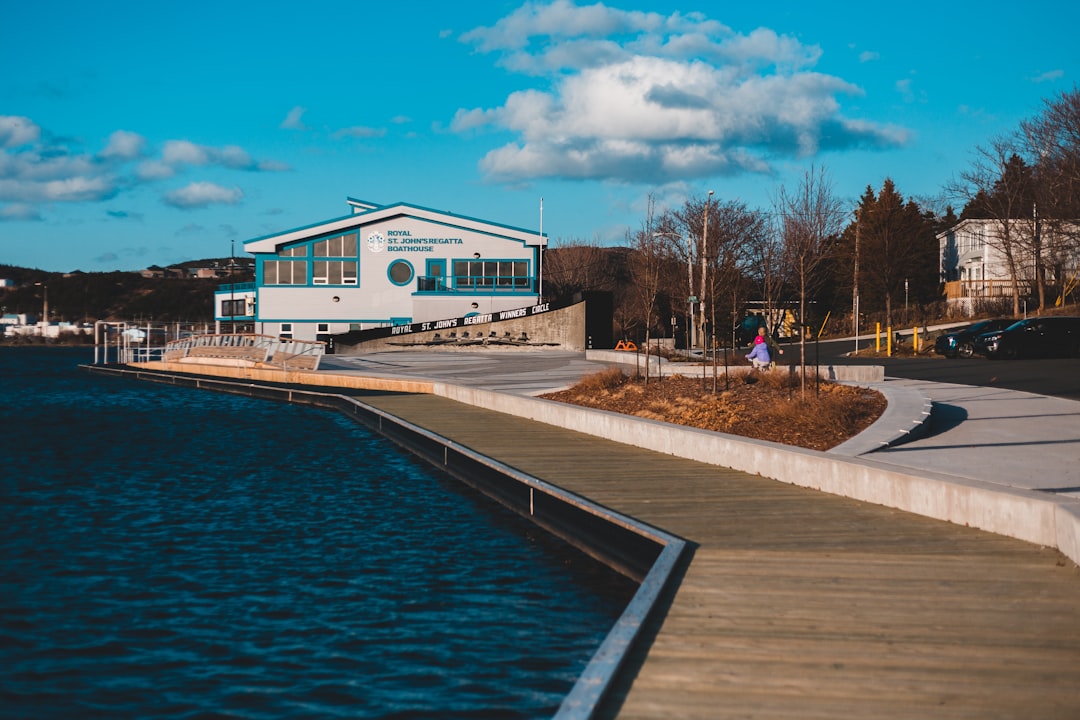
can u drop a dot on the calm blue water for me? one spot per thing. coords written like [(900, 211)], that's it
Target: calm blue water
[(176, 553)]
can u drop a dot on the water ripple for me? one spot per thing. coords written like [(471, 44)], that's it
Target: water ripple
[(174, 553)]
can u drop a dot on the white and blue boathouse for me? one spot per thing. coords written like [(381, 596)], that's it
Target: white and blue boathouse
[(382, 266)]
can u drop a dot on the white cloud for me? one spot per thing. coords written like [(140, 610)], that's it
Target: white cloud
[(359, 132), (904, 88), (176, 153), (34, 171), (642, 97), (1049, 76), (181, 152), (203, 194), (16, 131), (19, 211), (124, 145), (869, 56), (294, 120), (154, 170)]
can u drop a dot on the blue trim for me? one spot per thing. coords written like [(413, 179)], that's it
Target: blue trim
[(362, 219)]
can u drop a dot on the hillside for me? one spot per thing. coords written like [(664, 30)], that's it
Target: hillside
[(79, 296)]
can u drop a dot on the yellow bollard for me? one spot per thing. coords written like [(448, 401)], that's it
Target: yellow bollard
[(915, 339), (888, 341), (877, 337)]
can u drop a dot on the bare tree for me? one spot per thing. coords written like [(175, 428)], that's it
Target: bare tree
[(735, 232), (1051, 142), (576, 265), (649, 262), (766, 268), (995, 189), (811, 217), (671, 229)]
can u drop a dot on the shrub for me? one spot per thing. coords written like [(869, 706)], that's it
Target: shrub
[(604, 380)]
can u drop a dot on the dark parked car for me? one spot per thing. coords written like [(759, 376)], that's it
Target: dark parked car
[(961, 342), (1034, 337)]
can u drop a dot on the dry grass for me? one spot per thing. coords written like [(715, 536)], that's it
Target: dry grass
[(765, 406)]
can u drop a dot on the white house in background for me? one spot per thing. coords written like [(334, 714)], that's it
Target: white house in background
[(382, 265), (973, 265)]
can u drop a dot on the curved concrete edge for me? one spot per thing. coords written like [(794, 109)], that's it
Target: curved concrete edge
[(905, 418), (1023, 514)]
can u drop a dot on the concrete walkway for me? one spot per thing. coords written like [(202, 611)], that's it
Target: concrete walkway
[(1009, 438)]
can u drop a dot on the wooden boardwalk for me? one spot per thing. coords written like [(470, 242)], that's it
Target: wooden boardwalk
[(798, 604)]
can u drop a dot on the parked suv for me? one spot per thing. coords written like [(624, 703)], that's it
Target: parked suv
[(961, 342), (1034, 337)]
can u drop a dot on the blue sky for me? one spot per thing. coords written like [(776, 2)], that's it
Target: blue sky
[(143, 133)]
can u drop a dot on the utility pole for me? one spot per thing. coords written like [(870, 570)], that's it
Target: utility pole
[(703, 333), (691, 328), (855, 284)]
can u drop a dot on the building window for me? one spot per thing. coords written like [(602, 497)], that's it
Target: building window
[(340, 246), (491, 274), (234, 307), (400, 272), (333, 272), (971, 241), (294, 251), (286, 330), (284, 272), (322, 328)]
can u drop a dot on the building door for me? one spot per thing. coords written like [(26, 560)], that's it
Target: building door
[(436, 273)]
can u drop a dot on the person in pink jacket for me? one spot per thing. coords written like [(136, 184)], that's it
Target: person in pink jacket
[(759, 355)]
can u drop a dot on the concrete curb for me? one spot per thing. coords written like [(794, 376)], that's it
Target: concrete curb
[(906, 417)]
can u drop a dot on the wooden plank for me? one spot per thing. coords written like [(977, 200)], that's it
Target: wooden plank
[(799, 604)]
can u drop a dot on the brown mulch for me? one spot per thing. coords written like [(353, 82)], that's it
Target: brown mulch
[(771, 406)]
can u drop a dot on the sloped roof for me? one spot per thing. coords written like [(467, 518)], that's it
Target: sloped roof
[(366, 213)]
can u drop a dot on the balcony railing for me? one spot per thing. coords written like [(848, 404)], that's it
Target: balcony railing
[(474, 285)]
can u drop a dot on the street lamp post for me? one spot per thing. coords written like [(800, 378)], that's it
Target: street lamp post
[(702, 333)]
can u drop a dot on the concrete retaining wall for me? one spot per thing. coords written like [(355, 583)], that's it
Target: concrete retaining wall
[(659, 365), (563, 329)]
